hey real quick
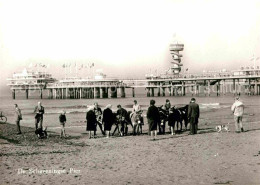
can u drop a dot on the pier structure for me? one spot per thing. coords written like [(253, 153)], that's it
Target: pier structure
[(236, 82), (202, 85), (29, 81), (86, 89)]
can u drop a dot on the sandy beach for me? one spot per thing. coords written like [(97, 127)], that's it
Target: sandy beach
[(206, 158)]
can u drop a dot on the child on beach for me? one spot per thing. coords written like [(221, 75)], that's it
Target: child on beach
[(62, 118)]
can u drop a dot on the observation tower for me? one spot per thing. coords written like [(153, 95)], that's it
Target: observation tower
[(175, 49)]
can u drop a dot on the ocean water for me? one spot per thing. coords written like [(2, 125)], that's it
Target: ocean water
[(76, 108)]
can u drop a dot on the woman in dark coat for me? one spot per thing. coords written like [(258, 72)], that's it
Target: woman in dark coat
[(153, 117), (91, 121), (108, 119)]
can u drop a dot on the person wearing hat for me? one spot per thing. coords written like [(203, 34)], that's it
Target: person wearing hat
[(238, 110), (108, 119), (91, 121), (193, 116), (153, 118)]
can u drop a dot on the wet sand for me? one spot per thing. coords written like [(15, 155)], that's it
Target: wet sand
[(206, 158)]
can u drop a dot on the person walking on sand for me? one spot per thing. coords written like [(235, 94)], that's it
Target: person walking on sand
[(193, 116), (108, 119), (91, 121), (153, 118), (63, 120), (98, 113), (238, 110), (18, 118), (39, 111)]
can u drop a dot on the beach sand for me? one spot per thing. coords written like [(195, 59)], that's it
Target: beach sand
[(206, 158)]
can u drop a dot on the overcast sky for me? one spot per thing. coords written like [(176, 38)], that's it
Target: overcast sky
[(127, 38)]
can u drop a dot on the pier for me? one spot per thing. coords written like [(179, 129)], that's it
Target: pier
[(200, 86), (189, 84), (172, 83)]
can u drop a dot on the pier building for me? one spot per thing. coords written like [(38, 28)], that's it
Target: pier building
[(29, 80)]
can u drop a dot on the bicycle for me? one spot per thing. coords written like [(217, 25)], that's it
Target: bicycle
[(3, 119)]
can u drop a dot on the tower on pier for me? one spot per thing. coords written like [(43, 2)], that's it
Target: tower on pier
[(175, 49)]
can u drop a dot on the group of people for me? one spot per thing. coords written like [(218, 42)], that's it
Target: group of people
[(104, 120), (153, 117), (38, 110), (95, 117)]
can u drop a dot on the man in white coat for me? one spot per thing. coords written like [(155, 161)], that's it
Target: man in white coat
[(238, 110)]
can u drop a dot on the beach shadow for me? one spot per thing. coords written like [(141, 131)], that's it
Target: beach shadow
[(171, 137), (252, 130), (209, 128)]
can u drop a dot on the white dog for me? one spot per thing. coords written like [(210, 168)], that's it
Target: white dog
[(219, 128)]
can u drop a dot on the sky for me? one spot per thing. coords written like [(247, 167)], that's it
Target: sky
[(127, 38)]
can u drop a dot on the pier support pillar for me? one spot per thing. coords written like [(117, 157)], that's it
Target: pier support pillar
[(133, 92), (80, 93), (58, 93), (208, 87), (96, 92), (88, 93), (41, 93), (176, 91), (122, 92), (163, 91), (234, 87), (148, 92), (170, 91), (152, 92), (158, 91), (61, 93), (113, 92), (196, 89), (183, 88), (238, 91), (50, 94), (224, 87), (66, 93), (218, 88), (27, 93), (74, 93), (13, 93), (192, 90), (92, 93), (104, 92), (249, 87), (256, 90)]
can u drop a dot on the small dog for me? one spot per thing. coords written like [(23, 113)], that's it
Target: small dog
[(41, 134), (219, 128)]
